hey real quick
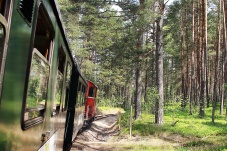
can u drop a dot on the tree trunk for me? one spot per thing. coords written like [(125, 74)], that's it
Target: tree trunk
[(216, 77), (198, 51), (139, 81), (159, 114), (183, 86), (192, 60), (225, 39), (203, 59), (138, 91)]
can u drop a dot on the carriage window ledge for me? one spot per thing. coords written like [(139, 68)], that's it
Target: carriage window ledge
[(32, 122)]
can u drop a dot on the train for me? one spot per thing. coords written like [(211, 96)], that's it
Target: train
[(44, 98)]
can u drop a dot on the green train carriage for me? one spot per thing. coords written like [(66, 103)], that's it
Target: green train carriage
[(39, 80)]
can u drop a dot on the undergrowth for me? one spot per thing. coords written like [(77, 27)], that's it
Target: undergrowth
[(198, 133)]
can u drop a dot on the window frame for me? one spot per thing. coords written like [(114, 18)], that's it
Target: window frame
[(5, 20), (63, 73), (66, 87), (91, 89), (40, 10), (39, 119), (4, 51)]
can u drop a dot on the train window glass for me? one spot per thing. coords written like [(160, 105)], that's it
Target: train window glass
[(69, 69), (61, 60), (91, 92), (79, 95), (95, 92), (83, 95), (59, 82), (37, 88), (68, 75), (58, 93)]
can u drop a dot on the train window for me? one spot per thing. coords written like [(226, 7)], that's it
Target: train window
[(58, 93), (2, 6), (83, 95), (69, 69), (44, 34), (37, 89), (78, 101), (59, 82), (61, 60), (39, 70), (91, 92), (68, 76)]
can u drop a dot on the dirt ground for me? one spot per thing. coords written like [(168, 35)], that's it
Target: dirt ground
[(103, 135)]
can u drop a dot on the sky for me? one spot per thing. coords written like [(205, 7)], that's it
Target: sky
[(169, 2), (118, 8)]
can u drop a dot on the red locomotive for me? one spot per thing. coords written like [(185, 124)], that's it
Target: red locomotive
[(90, 106)]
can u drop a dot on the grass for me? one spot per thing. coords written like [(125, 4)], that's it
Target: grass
[(192, 132)]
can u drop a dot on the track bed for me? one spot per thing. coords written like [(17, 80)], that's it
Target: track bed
[(98, 134)]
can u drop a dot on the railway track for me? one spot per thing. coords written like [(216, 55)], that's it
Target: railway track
[(98, 134)]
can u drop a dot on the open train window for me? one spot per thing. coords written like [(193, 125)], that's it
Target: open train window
[(5, 8), (37, 89), (58, 93), (83, 99), (59, 82), (67, 88), (2, 3), (39, 70), (91, 92), (81, 95), (43, 35), (78, 101)]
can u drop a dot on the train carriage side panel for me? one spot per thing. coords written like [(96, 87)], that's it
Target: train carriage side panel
[(80, 105), (28, 103), (12, 94)]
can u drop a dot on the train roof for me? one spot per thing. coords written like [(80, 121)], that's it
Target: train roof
[(92, 83)]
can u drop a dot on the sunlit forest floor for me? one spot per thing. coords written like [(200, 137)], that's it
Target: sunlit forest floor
[(180, 132)]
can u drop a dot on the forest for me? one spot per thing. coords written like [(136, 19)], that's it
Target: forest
[(153, 54)]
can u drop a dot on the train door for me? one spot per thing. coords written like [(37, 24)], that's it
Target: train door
[(5, 19)]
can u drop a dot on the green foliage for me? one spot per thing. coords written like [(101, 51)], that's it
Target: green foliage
[(108, 102), (148, 106), (179, 122), (104, 40), (34, 87)]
